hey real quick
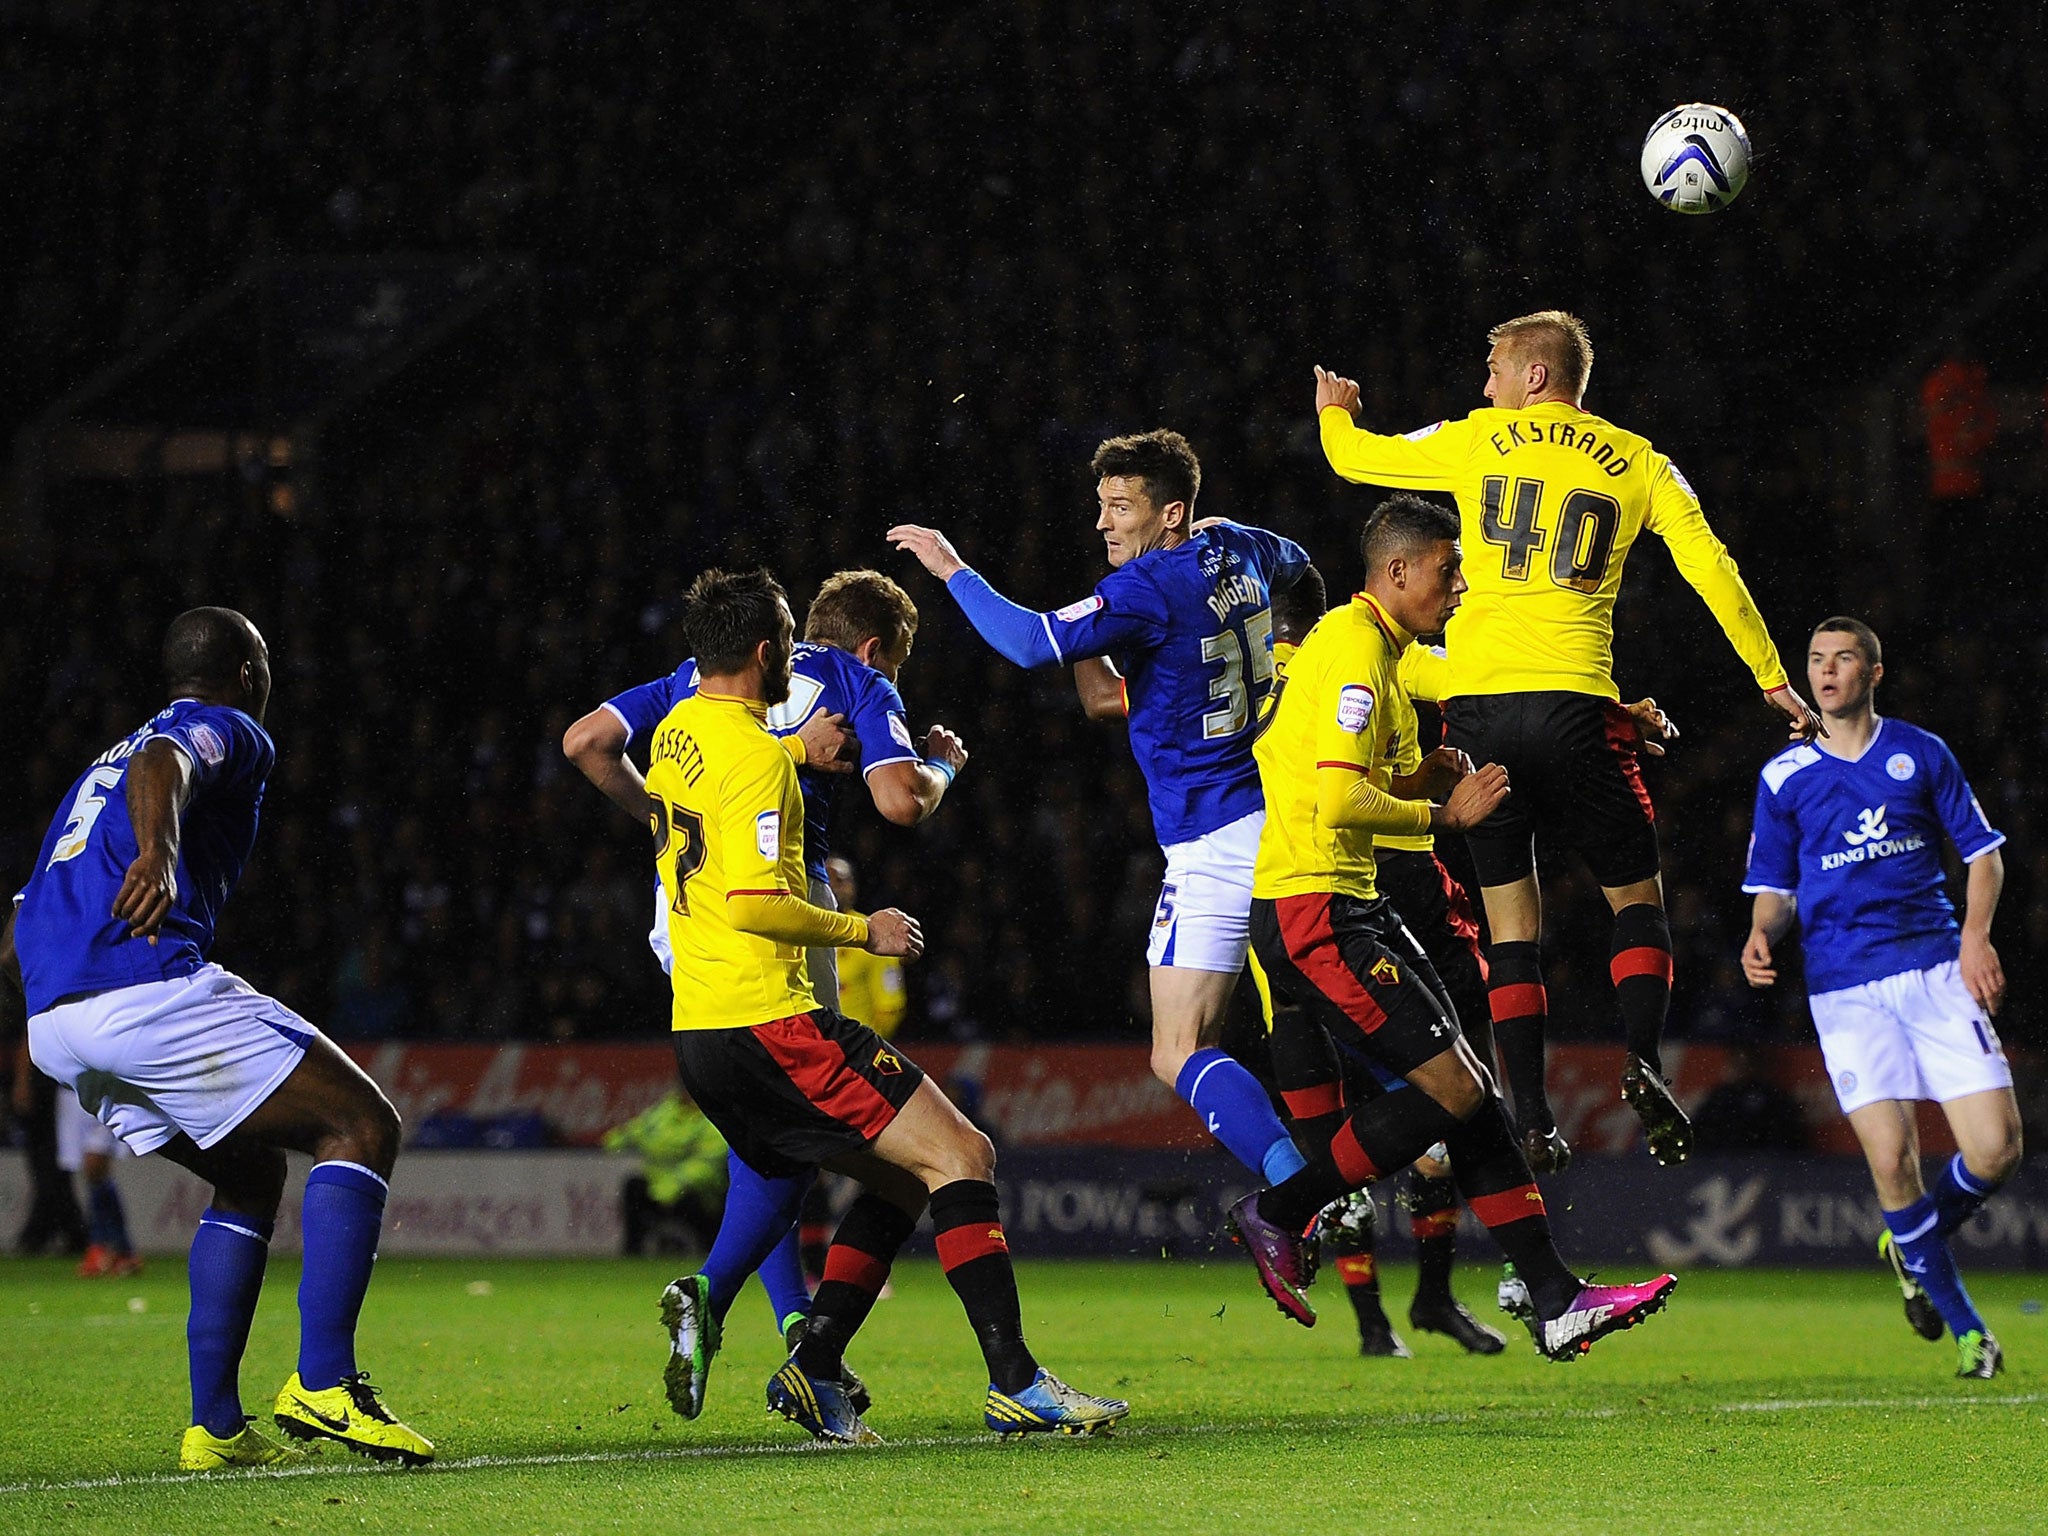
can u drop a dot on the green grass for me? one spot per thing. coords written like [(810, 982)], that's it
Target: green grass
[(1758, 1402)]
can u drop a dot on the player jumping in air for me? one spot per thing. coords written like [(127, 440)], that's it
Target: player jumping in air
[(792, 1085), (1187, 618), (858, 635), (1847, 841), (1552, 498), (180, 1057), (1329, 943)]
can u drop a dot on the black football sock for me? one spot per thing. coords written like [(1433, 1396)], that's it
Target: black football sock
[(1310, 1080), (1433, 1219), (1640, 963), (1520, 1008), (976, 1257), (855, 1268), (1382, 1136), (1494, 1178)]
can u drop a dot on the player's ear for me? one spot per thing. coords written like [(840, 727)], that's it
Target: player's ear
[(869, 649)]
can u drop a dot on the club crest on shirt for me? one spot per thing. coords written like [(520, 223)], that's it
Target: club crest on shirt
[(1900, 766), (1079, 610), (207, 743), (1354, 707), (1385, 972), (887, 1062), (768, 834)]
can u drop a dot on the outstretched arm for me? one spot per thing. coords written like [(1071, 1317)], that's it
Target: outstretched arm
[(1425, 461), (1016, 631), (159, 788)]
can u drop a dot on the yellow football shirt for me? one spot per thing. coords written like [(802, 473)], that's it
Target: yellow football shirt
[(1421, 670), (1332, 714), (1551, 499), (871, 990), (730, 822)]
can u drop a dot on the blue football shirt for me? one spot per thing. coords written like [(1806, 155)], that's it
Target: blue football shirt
[(66, 935), (1858, 843), (1191, 629), (821, 677)]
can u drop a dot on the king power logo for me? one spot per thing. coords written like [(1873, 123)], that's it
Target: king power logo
[(1870, 839)]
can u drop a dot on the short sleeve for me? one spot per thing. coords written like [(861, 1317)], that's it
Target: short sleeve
[(880, 724), (1347, 706), (224, 746), (1961, 816), (1126, 613), (1773, 846), (759, 811), (1283, 559), (641, 709)]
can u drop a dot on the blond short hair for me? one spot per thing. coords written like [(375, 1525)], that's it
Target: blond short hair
[(853, 607), (1553, 338)]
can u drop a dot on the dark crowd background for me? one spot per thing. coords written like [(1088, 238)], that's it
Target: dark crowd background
[(805, 271)]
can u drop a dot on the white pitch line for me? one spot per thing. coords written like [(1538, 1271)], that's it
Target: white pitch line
[(352, 1468), (1802, 1404)]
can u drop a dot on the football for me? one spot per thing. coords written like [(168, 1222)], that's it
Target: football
[(1696, 158)]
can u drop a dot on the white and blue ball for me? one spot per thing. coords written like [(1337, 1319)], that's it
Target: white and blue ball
[(1696, 158)]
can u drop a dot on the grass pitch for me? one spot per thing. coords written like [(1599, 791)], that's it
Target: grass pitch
[(1760, 1401)]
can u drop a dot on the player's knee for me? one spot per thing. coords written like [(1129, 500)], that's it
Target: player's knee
[(373, 1133), (252, 1185), (970, 1155), (1168, 1057), (1462, 1095), (1996, 1161)]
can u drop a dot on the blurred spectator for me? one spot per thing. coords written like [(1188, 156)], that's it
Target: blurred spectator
[(673, 1204), (1749, 1112)]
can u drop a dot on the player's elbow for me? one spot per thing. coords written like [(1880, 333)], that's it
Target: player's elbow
[(896, 797), (584, 743)]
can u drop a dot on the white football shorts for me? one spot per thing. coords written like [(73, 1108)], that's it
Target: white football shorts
[(196, 1054), (822, 963), (1204, 918), (80, 1135), (1917, 1035)]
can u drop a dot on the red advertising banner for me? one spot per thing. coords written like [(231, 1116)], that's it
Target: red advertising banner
[(1051, 1096)]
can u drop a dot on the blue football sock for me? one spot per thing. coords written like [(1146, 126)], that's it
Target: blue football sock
[(782, 1276), (1958, 1194), (226, 1271), (106, 1219), (759, 1213), (1237, 1112), (343, 1214), (1923, 1252)]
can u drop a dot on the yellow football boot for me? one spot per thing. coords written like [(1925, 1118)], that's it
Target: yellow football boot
[(205, 1452), (351, 1415)]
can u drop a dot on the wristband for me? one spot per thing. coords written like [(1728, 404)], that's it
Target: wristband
[(942, 768)]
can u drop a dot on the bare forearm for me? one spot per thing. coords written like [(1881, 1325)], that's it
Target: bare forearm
[(1772, 914), (159, 782), (1101, 689), (1986, 882), (619, 780)]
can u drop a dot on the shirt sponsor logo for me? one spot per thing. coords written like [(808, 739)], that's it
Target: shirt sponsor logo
[(768, 834), (207, 743), (1080, 610), (1869, 840), (1354, 707), (1899, 766), (899, 732)]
